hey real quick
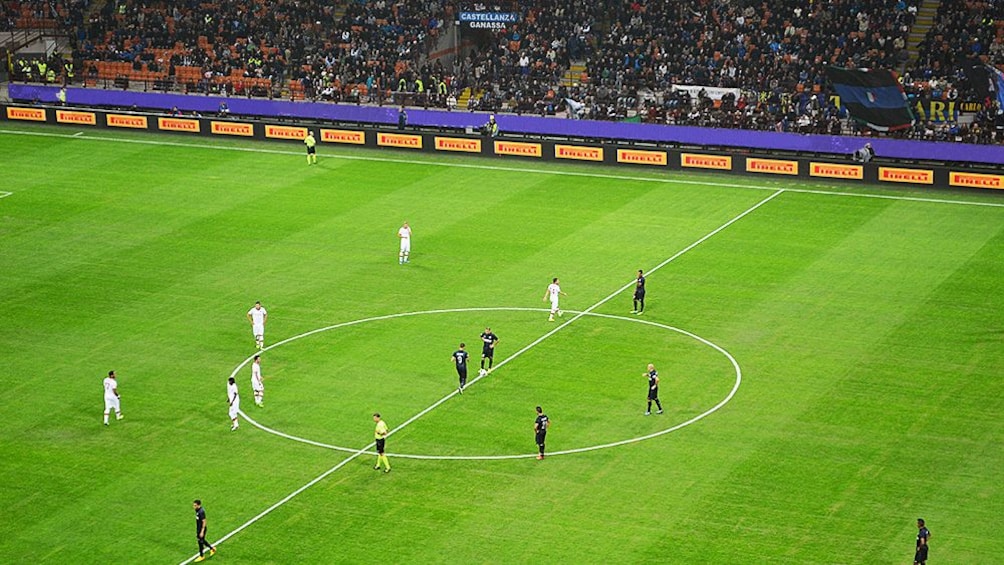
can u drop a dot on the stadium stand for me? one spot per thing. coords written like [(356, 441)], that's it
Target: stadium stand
[(742, 64)]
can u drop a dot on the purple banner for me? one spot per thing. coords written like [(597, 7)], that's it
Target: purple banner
[(686, 135)]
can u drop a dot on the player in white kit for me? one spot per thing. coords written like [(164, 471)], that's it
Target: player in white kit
[(258, 316), (553, 292), (257, 382), (405, 234), (112, 397), (234, 400)]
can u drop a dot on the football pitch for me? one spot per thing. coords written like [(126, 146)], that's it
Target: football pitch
[(830, 360)]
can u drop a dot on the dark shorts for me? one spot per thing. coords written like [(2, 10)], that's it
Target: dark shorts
[(653, 393), (311, 150), (462, 371), (639, 294), (379, 445), (921, 555), (540, 437), (488, 352)]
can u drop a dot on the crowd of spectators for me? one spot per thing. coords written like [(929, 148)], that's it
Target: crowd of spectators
[(520, 68), (768, 58), (951, 65), (773, 54)]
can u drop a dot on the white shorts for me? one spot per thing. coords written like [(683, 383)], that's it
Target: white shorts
[(258, 329), (405, 245), (112, 404), (234, 408), (256, 386), (554, 305)]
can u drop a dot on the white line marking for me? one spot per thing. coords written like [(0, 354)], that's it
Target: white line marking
[(5, 194), (510, 358), (458, 165), (712, 410), (78, 134)]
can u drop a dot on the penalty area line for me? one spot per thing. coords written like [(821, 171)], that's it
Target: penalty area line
[(518, 353), (5, 194), (513, 169)]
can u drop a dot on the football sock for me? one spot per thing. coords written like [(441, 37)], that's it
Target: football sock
[(491, 361), (658, 404), (649, 409), (106, 418)]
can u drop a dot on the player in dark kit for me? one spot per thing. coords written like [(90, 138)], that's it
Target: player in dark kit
[(923, 535), (488, 349), (200, 530), (540, 426), (460, 358), (639, 294), (653, 389)]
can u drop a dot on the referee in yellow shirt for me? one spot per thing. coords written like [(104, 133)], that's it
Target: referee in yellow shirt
[(381, 439), (310, 142)]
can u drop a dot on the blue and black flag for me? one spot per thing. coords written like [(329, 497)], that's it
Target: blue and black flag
[(873, 97)]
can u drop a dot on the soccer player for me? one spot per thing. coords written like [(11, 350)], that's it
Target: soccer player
[(234, 400), (552, 292), (310, 142), (923, 535), (540, 426), (257, 382), (381, 434), (112, 397), (653, 389), (404, 233), (488, 349), (460, 358), (258, 316), (639, 294), (200, 531)]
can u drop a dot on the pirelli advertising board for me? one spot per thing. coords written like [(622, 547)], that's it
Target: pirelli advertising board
[(126, 121), (285, 132), (460, 144), (343, 136), (578, 153), (186, 125), (836, 171), (406, 141), (771, 166), (79, 118), (907, 176), (975, 180), (701, 161), (28, 114), (642, 157), (519, 149), (231, 128)]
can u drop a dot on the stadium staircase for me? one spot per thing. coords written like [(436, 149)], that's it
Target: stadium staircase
[(575, 75), (465, 97), (927, 13), (94, 8)]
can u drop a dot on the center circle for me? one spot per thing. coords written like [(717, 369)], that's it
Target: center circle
[(694, 419)]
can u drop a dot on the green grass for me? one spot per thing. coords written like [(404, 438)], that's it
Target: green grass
[(868, 331)]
